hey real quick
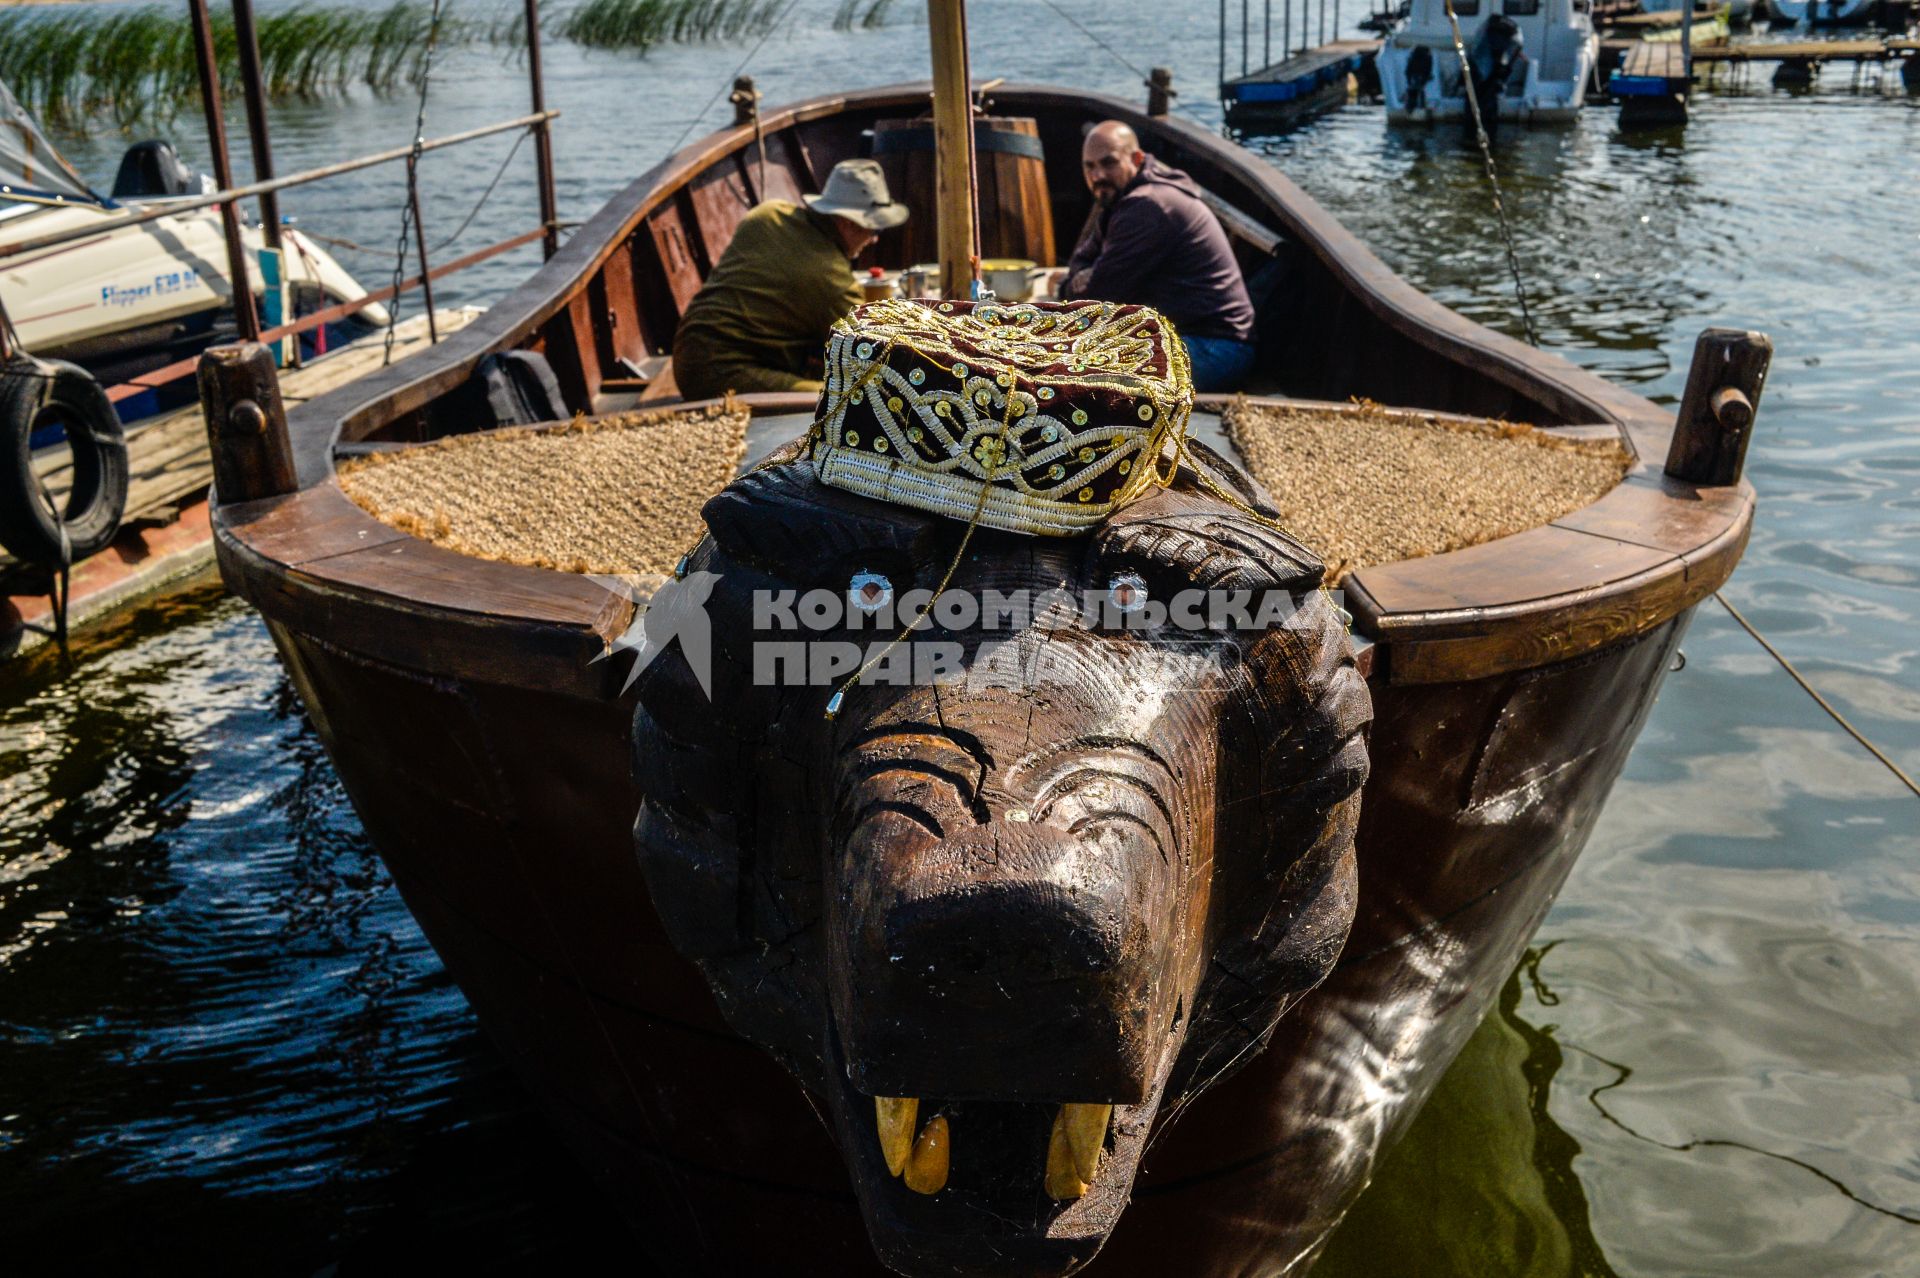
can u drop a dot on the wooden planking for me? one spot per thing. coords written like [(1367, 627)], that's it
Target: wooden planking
[(573, 349), (622, 337), (1802, 51), (435, 577), (1572, 626), (721, 197), (418, 606), (1417, 597), (1642, 554), (303, 527), (780, 177), (823, 143), (673, 249), (1662, 514), (1655, 59)]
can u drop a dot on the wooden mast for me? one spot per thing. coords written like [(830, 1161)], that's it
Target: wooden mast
[(953, 146)]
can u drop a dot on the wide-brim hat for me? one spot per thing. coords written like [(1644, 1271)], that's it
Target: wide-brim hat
[(857, 191)]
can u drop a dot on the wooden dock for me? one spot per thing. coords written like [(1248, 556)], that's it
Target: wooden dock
[(1292, 90), (1653, 68), (163, 533), (1812, 51)]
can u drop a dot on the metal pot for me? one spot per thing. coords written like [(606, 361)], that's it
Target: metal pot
[(1009, 278)]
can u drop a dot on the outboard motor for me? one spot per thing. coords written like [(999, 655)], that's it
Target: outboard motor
[(153, 169), (1496, 51), (1419, 71)]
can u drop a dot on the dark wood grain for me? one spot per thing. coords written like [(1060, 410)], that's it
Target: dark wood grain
[(246, 422), (1715, 424)]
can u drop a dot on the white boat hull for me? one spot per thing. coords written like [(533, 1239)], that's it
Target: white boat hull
[(1421, 78), (146, 285)]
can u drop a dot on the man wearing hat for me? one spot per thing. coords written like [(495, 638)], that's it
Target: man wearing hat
[(760, 322)]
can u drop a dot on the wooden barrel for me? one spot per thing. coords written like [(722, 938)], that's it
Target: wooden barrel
[(1016, 214)]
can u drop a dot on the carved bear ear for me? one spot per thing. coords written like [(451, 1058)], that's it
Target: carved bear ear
[(1185, 534), (1292, 761), (782, 520)]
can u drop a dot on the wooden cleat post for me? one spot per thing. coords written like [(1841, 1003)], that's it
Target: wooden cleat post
[(1716, 414), (246, 423)]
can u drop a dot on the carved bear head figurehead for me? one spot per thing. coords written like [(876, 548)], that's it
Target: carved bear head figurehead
[(1002, 910)]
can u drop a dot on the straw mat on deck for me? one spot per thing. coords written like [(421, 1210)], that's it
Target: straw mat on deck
[(619, 495), (1365, 486)]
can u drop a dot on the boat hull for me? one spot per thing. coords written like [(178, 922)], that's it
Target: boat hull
[(504, 815), (486, 748), (1539, 101)]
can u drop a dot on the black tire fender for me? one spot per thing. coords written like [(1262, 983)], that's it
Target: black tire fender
[(35, 394)]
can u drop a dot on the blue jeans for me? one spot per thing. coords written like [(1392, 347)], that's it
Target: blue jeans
[(1219, 363)]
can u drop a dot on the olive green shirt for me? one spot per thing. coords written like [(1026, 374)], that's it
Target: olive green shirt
[(765, 310)]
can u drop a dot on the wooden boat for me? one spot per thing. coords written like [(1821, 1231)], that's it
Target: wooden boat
[(487, 752)]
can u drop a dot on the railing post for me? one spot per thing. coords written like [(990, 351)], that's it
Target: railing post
[(1715, 424), (240, 281), (420, 241), (542, 136), (246, 423), (1160, 91), (248, 41)]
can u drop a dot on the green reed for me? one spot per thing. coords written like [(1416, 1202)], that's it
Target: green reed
[(134, 65), (865, 14), (138, 64), (641, 24)]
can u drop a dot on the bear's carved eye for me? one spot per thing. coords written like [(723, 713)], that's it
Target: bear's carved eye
[(869, 592), (1127, 592)]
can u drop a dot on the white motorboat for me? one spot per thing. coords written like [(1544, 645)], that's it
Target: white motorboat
[(1825, 13), (1531, 61), (124, 303), (85, 314)]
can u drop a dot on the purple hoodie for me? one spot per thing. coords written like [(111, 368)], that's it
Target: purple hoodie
[(1158, 245)]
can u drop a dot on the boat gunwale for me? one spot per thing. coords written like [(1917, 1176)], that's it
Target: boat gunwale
[(1512, 607)]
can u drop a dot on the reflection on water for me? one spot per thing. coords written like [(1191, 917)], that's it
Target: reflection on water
[(1483, 1182), (218, 1020), (218, 1025)]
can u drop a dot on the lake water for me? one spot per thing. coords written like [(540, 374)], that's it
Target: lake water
[(224, 1043)]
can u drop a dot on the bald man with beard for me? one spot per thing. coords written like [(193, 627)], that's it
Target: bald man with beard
[(1153, 241)]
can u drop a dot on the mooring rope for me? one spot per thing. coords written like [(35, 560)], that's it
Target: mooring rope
[(1493, 176), (1801, 679), (1513, 264), (486, 194), (726, 85), (1112, 52)]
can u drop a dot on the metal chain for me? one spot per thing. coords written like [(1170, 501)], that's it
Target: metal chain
[(484, 195), (1493, 178), (413, 182)]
